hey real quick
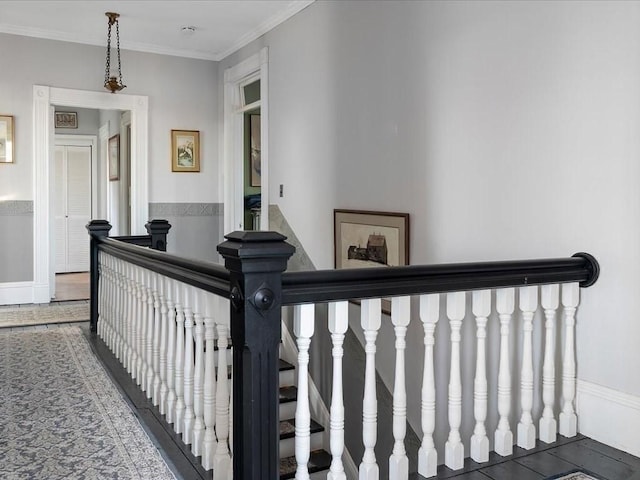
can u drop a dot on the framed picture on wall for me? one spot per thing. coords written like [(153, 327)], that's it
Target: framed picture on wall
[(6, 139), (185, 151), (114, 158), (66, 119), (255, 157)]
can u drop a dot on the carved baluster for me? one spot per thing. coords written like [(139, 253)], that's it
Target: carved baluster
[(479, 440), (130, 320), (454, 449), (371, 313), (152, 296), (163, 294), (171, 350), (427, 455), (303, 327), (209, 394), (550, 300), (141, 314), (526, 427), (102, 273), (400, 316), (178, 419), (198, 373), (568, 418), (189, 416), (338, 323), (156, 286), (222, 459), (505, 304)]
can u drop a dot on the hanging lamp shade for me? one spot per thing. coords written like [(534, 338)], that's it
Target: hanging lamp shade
[(113, 83)]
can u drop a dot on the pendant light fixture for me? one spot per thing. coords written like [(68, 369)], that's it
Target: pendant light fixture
[(111, 82)]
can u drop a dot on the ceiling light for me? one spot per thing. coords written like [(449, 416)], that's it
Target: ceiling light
[(113, 82), (188, 31)]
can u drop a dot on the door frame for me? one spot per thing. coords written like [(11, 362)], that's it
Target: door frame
[(44, 99), (232, 180)]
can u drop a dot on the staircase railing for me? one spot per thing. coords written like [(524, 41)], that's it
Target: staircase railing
[(163, 316)]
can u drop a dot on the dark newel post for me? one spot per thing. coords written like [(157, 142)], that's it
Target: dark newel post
[(158, 230), (97, 229), (256, 261)]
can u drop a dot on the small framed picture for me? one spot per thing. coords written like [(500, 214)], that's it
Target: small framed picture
[(66, 120), (185, 150), (6, 139), (114, 158)]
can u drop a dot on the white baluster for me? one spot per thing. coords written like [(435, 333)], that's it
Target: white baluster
[(101, 293), (505, 304), (479, 441), (427, 455), (303, 327), (526, 427), (171, 350), (398, 461), (371, 315), (152, 295), (454, 449), (118, 287), (154, 361), (568, 418), (178, 295), (198, 374), (130, 320), (549, 299), (161, 375), (338, 322), (141, 313), (222, 460), (189, 416), (209, 394)]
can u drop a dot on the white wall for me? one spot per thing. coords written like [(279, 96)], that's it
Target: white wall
[(506, 129)]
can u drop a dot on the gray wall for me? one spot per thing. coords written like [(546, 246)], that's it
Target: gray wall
[(506, 129), (88, 121), (16, 238)]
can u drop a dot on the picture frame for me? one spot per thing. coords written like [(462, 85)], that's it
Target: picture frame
[(7, 145), (185, 150), (66, 119), (255, 159), (370, 239), (114, 158)]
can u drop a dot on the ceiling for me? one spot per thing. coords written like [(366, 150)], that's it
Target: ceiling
[(221, 26)]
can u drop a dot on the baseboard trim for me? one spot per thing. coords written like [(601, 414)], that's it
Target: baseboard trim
[(608, 416), (14, 293)]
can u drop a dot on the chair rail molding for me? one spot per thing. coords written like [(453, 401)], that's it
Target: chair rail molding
[(44, 99)]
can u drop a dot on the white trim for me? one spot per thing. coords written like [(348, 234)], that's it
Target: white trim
[(232, 181), (14, 293), (103, 138), (289, 353), (44, 98), (269, 24), (609, 416)]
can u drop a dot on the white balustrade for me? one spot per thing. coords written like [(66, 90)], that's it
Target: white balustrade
[(303, 328), (568, 418), (550, 295), (198, 374), (141, 316), (171, 350), (189, 416), (371, 317), (338, 323), (503, 441), (526, 427), (178, 295), (427, 455), (454, 449), (209, 394), (162, 374), (481, 307), (222, 458), (153, 379)]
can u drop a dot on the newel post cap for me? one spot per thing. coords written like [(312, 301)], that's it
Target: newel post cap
[(98, 228), (256, 251)]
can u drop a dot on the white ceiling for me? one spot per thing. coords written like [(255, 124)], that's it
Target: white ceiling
[(221, 26)]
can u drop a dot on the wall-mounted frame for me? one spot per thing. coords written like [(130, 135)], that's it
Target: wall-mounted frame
[(6, 139), (114, 158), (255, 149), (185, 151), (370, 239), (66, 119)]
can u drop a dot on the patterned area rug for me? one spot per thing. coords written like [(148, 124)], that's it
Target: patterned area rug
[(64, 312), (577, 475), (61, 417)]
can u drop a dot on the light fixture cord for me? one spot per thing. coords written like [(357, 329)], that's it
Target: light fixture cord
[(108, 67), (118, 41)]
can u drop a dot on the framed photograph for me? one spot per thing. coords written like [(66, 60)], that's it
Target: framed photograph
[(114, 158), (185, 151), (66, 120), (370, 239), (6, 139), (256, 163)]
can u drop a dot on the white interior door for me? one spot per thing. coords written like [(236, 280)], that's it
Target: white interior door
[(73, 207)]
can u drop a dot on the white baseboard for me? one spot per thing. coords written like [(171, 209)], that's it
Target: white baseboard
[(608, 416), (14, 293)]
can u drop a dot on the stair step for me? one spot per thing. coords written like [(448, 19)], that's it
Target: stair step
[(288, 434), (287, 375), (319, 461), (288, 397)]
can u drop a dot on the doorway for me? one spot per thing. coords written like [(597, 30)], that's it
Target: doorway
[(44, 99)]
